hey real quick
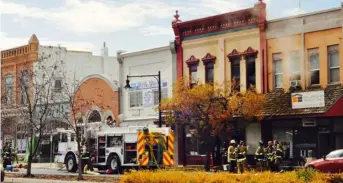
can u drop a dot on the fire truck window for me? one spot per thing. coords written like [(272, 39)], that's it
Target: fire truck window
[(72, 138), (113, 141), (64, 137)]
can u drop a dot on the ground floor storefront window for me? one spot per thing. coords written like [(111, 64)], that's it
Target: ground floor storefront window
[(195, 144), (299, 140), (285, 138)]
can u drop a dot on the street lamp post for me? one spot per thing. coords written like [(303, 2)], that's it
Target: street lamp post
[(158, 78)]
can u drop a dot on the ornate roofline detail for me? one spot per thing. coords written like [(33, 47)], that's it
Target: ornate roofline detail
[(255, 15), (208, 58), (192, 60)]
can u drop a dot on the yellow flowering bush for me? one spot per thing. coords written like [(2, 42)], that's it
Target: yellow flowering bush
[(164, 176)]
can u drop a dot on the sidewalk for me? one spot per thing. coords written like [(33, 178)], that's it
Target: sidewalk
[(53, 166), (45, 166), (23, 180)]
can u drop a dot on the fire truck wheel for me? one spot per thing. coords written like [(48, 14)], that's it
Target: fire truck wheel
[(113, 163), (71, 163)]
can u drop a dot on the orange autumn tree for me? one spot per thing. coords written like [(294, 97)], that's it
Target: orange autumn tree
[(210, 108)]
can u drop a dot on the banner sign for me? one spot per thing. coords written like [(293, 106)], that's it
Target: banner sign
[(147, 98), (310, 99), (147, 85)]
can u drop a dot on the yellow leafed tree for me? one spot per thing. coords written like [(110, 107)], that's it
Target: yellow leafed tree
[(210, 108)]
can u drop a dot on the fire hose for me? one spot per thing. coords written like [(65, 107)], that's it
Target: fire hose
[(150, 143)]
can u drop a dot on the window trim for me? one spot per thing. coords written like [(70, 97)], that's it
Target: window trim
[(236, 61), (57, 89), (209, 61), (313, 52), (9, 75), (20, 84), (294, 54), (192, 64), (129, 94), (330, 52), (209, 65), (192, 68), (162, 97), (274, 70), (247, 62)]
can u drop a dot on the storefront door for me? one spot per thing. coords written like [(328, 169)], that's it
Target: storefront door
[(324, 143)]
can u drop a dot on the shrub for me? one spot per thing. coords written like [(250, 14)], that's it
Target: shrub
[(305, 174), (177, 176)]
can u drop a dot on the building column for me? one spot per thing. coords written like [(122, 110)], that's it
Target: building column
[(302, 57), (220, 77), (243, 74)]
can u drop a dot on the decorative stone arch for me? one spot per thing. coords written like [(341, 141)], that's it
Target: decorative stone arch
[(102, 77), (104, 99)]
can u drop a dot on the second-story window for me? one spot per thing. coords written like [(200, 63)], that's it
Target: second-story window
[(9, 89), (277, 69), (193, 63), (193, 72), (313, 57), (209, 72), (24, 86), (58, 84), (333, 58), (164, 94), (209, 61), (251, 72), (136, 99), (294, 65), (236, 73)]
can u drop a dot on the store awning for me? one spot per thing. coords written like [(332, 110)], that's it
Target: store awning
[(336, 109)]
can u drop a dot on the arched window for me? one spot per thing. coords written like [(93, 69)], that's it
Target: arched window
[(79, 121), (94, 117)]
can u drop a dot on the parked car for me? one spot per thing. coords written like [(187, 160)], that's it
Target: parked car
[(331, 163)]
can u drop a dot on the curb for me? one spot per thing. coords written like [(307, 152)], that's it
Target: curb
[(23, 180)]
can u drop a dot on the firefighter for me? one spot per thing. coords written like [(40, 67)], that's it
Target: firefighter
[(241, 157), (231, 158), (270, 155), (260, 155), (278, 152), (86, 159), (6, 155)]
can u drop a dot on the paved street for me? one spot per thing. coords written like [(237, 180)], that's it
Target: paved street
[(56, 172)]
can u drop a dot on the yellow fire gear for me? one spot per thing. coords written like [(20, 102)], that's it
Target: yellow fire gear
[(241, 158)]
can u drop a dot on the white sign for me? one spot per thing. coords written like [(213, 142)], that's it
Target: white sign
[(146, 85), (310, 99)]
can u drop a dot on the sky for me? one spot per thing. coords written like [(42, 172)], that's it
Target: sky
[(129, 25)]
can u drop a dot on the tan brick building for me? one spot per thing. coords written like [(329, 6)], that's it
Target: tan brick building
[(15, 62)]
